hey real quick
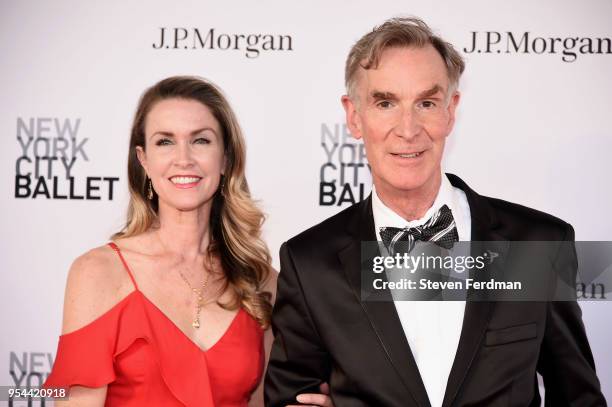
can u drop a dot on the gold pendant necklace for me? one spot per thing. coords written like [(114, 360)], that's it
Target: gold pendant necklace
[(199, 293), (200, 296)]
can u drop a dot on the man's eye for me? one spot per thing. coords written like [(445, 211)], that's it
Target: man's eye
[(385, 104), (163, 142), (201, 140), (428, 104)]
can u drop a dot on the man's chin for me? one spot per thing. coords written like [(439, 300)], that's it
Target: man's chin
[(407, 185)]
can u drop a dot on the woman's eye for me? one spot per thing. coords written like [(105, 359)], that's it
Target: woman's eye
[(163, 142), (201, 140)]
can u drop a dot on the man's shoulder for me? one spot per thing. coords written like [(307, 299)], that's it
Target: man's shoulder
[(525, 223), (511, 220), (329, 231)]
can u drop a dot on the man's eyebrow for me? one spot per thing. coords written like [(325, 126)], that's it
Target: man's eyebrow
[(381, 95), (431, 91)]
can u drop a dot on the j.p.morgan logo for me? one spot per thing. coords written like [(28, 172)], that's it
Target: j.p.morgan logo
[(569, 48), (250, 45)]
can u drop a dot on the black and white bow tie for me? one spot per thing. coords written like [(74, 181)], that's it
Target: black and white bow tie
[(440, 229)]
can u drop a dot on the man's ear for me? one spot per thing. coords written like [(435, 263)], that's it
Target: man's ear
[(452, 107), (353, 120), (142, 157)]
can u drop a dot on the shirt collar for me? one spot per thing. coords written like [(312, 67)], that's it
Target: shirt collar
[(385, 216)]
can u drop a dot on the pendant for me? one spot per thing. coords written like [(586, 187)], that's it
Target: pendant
[(195, 324)]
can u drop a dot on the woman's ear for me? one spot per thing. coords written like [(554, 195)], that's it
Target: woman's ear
[(142, 157)]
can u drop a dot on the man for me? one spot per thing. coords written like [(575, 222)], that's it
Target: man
[(401, 98)]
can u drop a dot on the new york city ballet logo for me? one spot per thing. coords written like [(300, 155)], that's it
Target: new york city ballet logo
[(569, 48), (344, 176), (251, 45), (29, 370), (51, 150)]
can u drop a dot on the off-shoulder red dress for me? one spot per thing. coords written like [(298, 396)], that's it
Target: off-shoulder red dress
[(146, 360)]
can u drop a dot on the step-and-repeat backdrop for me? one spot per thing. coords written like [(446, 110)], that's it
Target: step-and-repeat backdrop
[(533, 125)]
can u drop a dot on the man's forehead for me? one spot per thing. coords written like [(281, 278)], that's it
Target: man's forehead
[(412, 69), (406, 58), (412, 52)]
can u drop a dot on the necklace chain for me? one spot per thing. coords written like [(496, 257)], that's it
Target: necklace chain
[(200, 297), (199, 293)]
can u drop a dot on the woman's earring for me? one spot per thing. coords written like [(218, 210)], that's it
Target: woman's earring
[(150, 190), (222, 185)]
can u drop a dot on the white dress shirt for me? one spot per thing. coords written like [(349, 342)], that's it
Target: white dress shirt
[(432, 328)]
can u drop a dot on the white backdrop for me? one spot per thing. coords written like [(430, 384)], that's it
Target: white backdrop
[(533, 127)]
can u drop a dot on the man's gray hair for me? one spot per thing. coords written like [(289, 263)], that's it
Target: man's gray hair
[(399, 32)]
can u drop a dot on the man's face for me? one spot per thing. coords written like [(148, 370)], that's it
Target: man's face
[(404, 113)]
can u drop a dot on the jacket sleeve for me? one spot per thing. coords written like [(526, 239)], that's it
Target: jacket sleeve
[(298, 360), (566, 362)]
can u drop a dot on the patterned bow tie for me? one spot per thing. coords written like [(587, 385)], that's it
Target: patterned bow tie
[(440, 229)]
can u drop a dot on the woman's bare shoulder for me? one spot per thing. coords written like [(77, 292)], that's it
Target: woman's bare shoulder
[(97, 280)]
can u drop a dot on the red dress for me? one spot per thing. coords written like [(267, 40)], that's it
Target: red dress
[(146, 360)]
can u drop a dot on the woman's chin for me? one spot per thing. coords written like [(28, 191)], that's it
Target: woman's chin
[(186, 205)]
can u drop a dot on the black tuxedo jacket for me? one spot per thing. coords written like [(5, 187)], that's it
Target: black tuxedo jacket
[(325, 333)]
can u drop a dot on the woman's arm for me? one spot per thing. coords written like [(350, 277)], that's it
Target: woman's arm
[(93, 287), (257, 398), (80, 396)]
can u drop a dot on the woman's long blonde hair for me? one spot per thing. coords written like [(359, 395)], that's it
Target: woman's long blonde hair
[(235, 219)]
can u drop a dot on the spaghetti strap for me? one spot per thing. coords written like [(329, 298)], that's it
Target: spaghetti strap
[(116, 249)]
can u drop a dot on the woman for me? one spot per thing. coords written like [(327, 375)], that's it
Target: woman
[(174, 311)]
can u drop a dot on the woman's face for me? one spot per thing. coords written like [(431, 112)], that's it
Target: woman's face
[(184, 153)]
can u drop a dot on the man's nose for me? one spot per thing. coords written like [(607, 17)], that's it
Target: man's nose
[(408, 124)]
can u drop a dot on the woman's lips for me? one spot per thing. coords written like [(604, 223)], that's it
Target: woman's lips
[(185, 181)]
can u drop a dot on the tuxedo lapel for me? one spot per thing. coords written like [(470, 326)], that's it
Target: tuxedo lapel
[(477, 313), (382, 314)]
